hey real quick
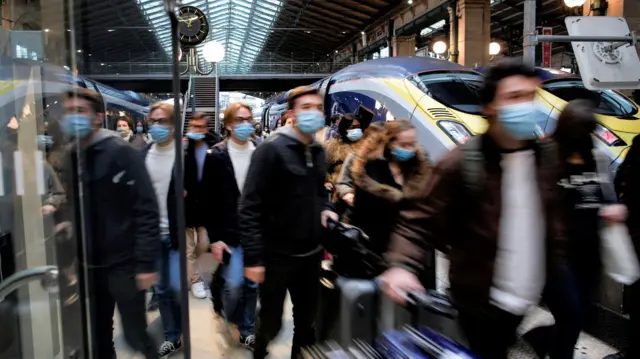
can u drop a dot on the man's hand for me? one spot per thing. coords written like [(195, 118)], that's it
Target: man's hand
[(614, 213), (326, 214), (146, 280), (48, 210), (328, 186), (348, 199), (218, 249), (254, 274), (64, 230), (397, 282)]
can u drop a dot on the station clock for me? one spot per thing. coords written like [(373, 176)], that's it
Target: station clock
[(194, 26)]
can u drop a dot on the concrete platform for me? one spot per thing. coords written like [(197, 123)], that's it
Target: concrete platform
[(206, 338)]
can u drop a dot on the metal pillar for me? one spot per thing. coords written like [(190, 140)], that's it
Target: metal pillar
[(217, 95), (529, 33)]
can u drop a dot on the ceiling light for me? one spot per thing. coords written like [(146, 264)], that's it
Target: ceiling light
[(439, 47), (102, 64), (494, 48), (410, 2), (336, 51), (362, 32), (344, 32), (111, 30), (46, 30), (79, 51), (69, 30), (308, 32)]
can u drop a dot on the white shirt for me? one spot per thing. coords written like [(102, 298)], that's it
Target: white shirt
[(240, 160), (159, 163), (519, 272)]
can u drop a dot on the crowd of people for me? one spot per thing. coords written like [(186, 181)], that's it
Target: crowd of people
[(519, 217)]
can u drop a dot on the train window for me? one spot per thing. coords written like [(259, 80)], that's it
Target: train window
[(456, 90), (607, 102)]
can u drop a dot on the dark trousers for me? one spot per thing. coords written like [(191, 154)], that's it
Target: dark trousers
[(633, 295), (111, 287), (489, 330), (299, 276)]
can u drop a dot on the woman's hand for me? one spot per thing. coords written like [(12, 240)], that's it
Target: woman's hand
[(348, 199), (328, 186), (614, 213)]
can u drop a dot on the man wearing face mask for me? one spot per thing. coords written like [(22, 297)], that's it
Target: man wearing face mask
[(160, 162), (198, 176), (230, 163), (121, 225), (491, 205), (282, 210)]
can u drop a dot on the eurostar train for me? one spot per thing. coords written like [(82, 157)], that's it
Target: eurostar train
[(27, 85)]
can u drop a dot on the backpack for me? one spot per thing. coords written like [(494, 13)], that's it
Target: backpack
[(473, 162)]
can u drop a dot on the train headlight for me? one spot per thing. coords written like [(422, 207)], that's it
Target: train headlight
[(456, 131), (607, 136)]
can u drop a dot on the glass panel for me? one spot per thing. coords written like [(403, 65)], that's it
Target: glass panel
[(39, 229)]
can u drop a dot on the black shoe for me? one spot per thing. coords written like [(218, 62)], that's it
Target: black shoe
[(153, 303), (248, 341), (167, 348), (615, 356), (538, 338)]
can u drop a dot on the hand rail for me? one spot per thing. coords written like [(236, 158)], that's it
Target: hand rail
[(48, 276), (185, 102)]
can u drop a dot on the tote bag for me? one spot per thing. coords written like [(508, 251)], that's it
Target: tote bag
[(619, 258)]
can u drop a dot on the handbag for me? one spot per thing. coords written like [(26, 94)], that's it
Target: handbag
[(619, 257)]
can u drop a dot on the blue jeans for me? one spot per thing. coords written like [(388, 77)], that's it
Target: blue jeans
[(168, 290), (240, 296)]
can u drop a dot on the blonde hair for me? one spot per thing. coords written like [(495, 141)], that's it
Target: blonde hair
[(165, 107), (230, 112)]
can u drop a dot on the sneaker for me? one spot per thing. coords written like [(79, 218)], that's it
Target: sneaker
[(198, 290), (167, 348), (153, 303), (248, 341)]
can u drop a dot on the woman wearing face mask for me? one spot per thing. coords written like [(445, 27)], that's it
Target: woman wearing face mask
[(124, 127), (339, 148), (388, 169), (584, 174), (141, 132)]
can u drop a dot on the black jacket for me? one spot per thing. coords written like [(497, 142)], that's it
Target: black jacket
[(172, 213), (224, 215), (198, 202), (283, 196), (119, 203)]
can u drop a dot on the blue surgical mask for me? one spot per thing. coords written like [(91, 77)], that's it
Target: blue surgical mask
[(77, 126), (243, 131), (354, 134), (159, 133), (309, 122), (402, 154), (521, 120), (196, 136), (139, 129)]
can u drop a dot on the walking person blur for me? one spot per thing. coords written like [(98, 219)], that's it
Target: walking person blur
[(160, 160), (626, 181), (124, 127), (230, 162), (584, 172), (281, 214), (491, 204), (122, 224), (198, 179)]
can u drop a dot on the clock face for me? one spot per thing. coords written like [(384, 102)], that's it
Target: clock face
[(193, 27)]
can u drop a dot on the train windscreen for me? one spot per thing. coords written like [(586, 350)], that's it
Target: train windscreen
[(457, 90)]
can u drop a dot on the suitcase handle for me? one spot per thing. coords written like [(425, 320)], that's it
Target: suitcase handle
[(433, 302)]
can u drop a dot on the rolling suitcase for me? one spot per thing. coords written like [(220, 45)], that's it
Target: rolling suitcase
[(429, 334), (358, 309)]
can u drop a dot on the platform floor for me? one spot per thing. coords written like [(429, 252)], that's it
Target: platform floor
[(205, 337)]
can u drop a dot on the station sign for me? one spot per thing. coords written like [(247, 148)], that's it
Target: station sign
[(546, 48)]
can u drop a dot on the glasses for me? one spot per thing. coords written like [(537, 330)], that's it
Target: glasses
[(158, 121)]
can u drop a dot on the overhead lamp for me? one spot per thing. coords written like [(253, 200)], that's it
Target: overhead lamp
[(410, 2), (213, 51), (79, 51), (46, 30), (362, 32), (111, 30), (494, 48), (336, 51), (439, 47), (574, 3)]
